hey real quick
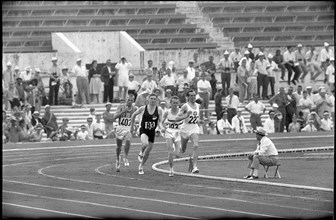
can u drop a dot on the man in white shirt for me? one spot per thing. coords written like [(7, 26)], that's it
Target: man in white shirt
[(82, 135), (261, 65), (133, 85), (313, 64), (182, 80), (326, 123), (325, 55), (238, 122), (256, 109), (269, 123), (168, 82), (265, 154), (223, 125), (89, 128), (204, 91), (248, 60), (273, 74), (123, 68), (226, 67), (330, 74), (98, 128), (289, 59), (148, 84), (82, 82), (191, 70), (232, 104), (305, 104), (26, 75), (235, 56)]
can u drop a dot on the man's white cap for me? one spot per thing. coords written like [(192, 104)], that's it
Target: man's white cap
[(332, 59), (16, 68), (299, 45), (309, 87), (323, 90), (64, 68), (27, 68), (326, 44), (37, 70), (226, 52), (246, 52), (219, 86), (79, 59), (9, 63), (122, 57), (54, 58), (260, 54), (270, 56), (275, 105), (249, 46)]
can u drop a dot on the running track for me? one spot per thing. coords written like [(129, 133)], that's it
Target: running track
[(79, 181)]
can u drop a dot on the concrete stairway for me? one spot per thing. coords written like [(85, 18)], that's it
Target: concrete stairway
[(195, 16)]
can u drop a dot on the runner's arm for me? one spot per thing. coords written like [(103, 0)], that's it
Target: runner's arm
[(183, 114), (137, 112)]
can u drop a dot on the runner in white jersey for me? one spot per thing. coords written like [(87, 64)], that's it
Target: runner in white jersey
[(190, 128), (171, 130), (124, 113)]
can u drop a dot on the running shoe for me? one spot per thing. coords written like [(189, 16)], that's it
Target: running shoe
[(171, 172), (118, 165), (195, 170), (253, 177), (141, 172), (246, 177), (126, 163)]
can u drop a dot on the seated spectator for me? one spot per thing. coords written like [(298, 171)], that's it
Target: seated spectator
[(223, 125), (212, 128), (27, 115), (67, 97), (89, 128), (301, 120), (265, 154), (238, 122), (64, 133), (23, 131), (148, 84), (49, 121), (98, 128), (163, 106), (294, 126), (158, 92), (181, 81), (326, 122), (317, 120), (35, 119), (92, 113), (305, 104), (269, 125), (168, 97), (36, 135), (133, 85), (83, 134), (13, 131), (168, 82), (309, 127)]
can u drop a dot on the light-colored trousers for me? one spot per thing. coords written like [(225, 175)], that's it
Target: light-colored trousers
[(83, 89)]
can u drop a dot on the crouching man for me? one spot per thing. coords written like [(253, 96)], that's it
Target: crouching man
[(265, 154)]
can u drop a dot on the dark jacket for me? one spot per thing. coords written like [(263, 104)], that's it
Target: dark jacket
[(33, 121), (105, 75)]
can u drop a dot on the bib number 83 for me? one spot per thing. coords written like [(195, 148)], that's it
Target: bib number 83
[(150, 125)]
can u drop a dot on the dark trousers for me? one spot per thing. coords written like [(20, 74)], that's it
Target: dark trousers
[(108, 91), (231, 112), (53, 92), (290, 70), (264, 84), (213, 83), (283, 69), (226, 79), (282, 109), (271, 81)]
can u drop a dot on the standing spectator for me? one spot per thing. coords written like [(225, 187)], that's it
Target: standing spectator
[(204, 91), (294, 126), (7, 78), (325, 55), (279, 60), (148, 84), (298, 95), (248, 60), (332, 99), (235, 56), (313, 64), (289, 59), (290, 107), (40, 87), (223, 125), (133, 85), (323, 103), (195, 60), (330, 74), (162, 70), (305, 104), (82, 82), (95, 81), (16, 72), (252, 82), (54, 82), (326, 123), (232, 104), (262, 78), (27, 115), (20, 91), (32, 96), (168, 82), (238, 122), (108, 120), (281, 100), (218, 102), (26, 76), (194, 81), (309, 127), (261, 51), (89, 127), (210, 67), (65, 77), (149, 68), (49, 121), (191, 70), (242, 75), (83, 134), (13, 94), (269, 125), (107, 77), (123, 68), (251, 54), (256, 109), (181, 81), (272, 70), (225, 67), (301, 61), (98, 128)]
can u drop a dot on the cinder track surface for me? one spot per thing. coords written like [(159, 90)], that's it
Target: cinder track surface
[(64, 180)]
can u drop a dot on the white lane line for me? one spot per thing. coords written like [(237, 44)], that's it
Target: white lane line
[(141, 198), (40, 171), (138, 144), (98, 204), (45, 210)]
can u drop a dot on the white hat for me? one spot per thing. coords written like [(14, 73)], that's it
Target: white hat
[(260, 54), (36, 113), (79, 59), (323, 90), (299, 45), (249, 46), (147, 91), (16, 68), (226, 52), (246, 52), (37, 70), (64, 68), (219, 86), (9, 63), (122, 57), (270, 56), (261, 131), (108, 103), (191, 61), (332, 59), (275, 105), (46, 106), (54, 58), (309, 87), (326, 44), (27, 68)]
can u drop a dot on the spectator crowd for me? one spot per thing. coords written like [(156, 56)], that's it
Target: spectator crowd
[(255, 76)]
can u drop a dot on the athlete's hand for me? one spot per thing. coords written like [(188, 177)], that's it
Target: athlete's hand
[(163, 130), (189, 113)]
